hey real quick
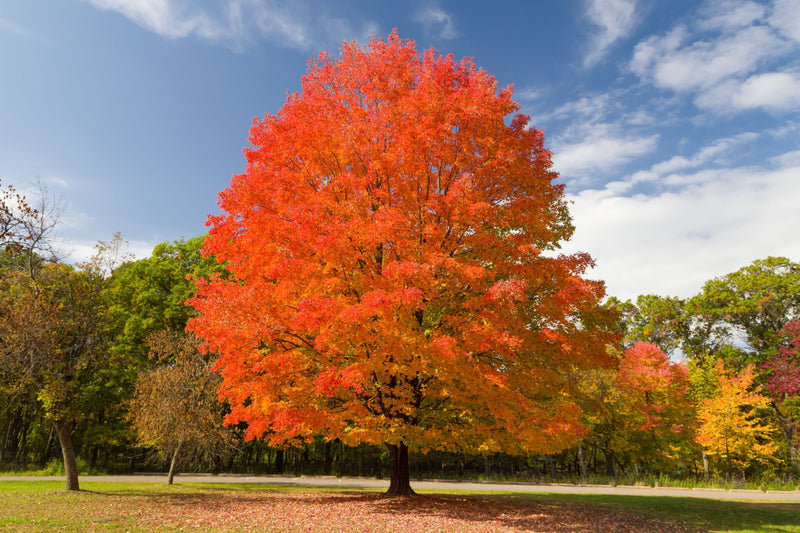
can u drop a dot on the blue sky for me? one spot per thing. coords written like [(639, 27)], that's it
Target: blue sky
[(675, 124)]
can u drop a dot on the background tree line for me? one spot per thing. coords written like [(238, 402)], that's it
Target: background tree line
[(98, 373)]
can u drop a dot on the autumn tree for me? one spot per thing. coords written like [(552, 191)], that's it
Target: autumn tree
[(730, 427), (51, 339), (393, 274), (639, 411), (783, 387), (175, 408), (48, 344)]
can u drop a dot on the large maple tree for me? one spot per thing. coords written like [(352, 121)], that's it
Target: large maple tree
[(392, 268)]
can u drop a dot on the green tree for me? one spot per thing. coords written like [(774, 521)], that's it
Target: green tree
[(740, 316), (150, 295), (653, 319)]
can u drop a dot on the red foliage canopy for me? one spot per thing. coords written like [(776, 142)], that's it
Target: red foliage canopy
[(392, 278), (784, 380)]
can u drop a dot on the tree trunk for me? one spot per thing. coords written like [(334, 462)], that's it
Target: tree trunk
[(173, 463), (582, 463), (400, 484), (788, 427), (614, 471), (706, 470), (68, 452)]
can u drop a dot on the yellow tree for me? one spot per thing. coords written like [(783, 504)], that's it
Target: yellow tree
[(393, 278), (729, 425)]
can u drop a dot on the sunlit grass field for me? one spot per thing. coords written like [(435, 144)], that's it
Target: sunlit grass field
[(110, 506)]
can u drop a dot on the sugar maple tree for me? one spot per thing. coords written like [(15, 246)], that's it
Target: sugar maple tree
[(391, 275)]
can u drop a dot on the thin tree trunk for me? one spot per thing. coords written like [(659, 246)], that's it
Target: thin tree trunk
[(788, 427), (582, 462), (706, 469), (400, 484), (614, 471), (68, 452), (173, 463)]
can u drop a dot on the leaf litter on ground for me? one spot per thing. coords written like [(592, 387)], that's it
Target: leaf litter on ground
[(184, 508)]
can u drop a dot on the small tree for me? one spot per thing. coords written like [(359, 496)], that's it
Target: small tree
[(729, 425), (392, 270), (175, 407)]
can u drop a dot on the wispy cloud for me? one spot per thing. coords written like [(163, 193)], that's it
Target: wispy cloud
[(786, 18), (730, 14), (604, 149), (614, 20), (167, 18), (239, 23), (8, 27), (435, 19), (772, 91)]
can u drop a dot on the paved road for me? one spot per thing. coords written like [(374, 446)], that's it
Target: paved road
[(329, 481)]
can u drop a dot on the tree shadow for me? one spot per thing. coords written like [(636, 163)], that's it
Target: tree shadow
[(354, 510), (511, 513)]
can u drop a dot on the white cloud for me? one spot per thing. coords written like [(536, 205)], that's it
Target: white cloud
[(786, 17), (715, 153), (602, 150), (731, 59), (614, 20), (435, 17), (772, 91), (527, 94), (237, 23), (731, 14), (669, 64), (164, 17), (585, 109), (671, 241)]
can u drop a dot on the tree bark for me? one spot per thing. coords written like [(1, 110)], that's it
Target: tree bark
[(788, 427), (582, 463), (400, 484), (614, 471), (68, 452), (173, 463)]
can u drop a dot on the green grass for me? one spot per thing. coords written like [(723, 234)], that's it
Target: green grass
[(711, 515), (113, 506)]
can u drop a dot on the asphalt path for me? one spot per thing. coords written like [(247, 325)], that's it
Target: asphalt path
[(438, 485)]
